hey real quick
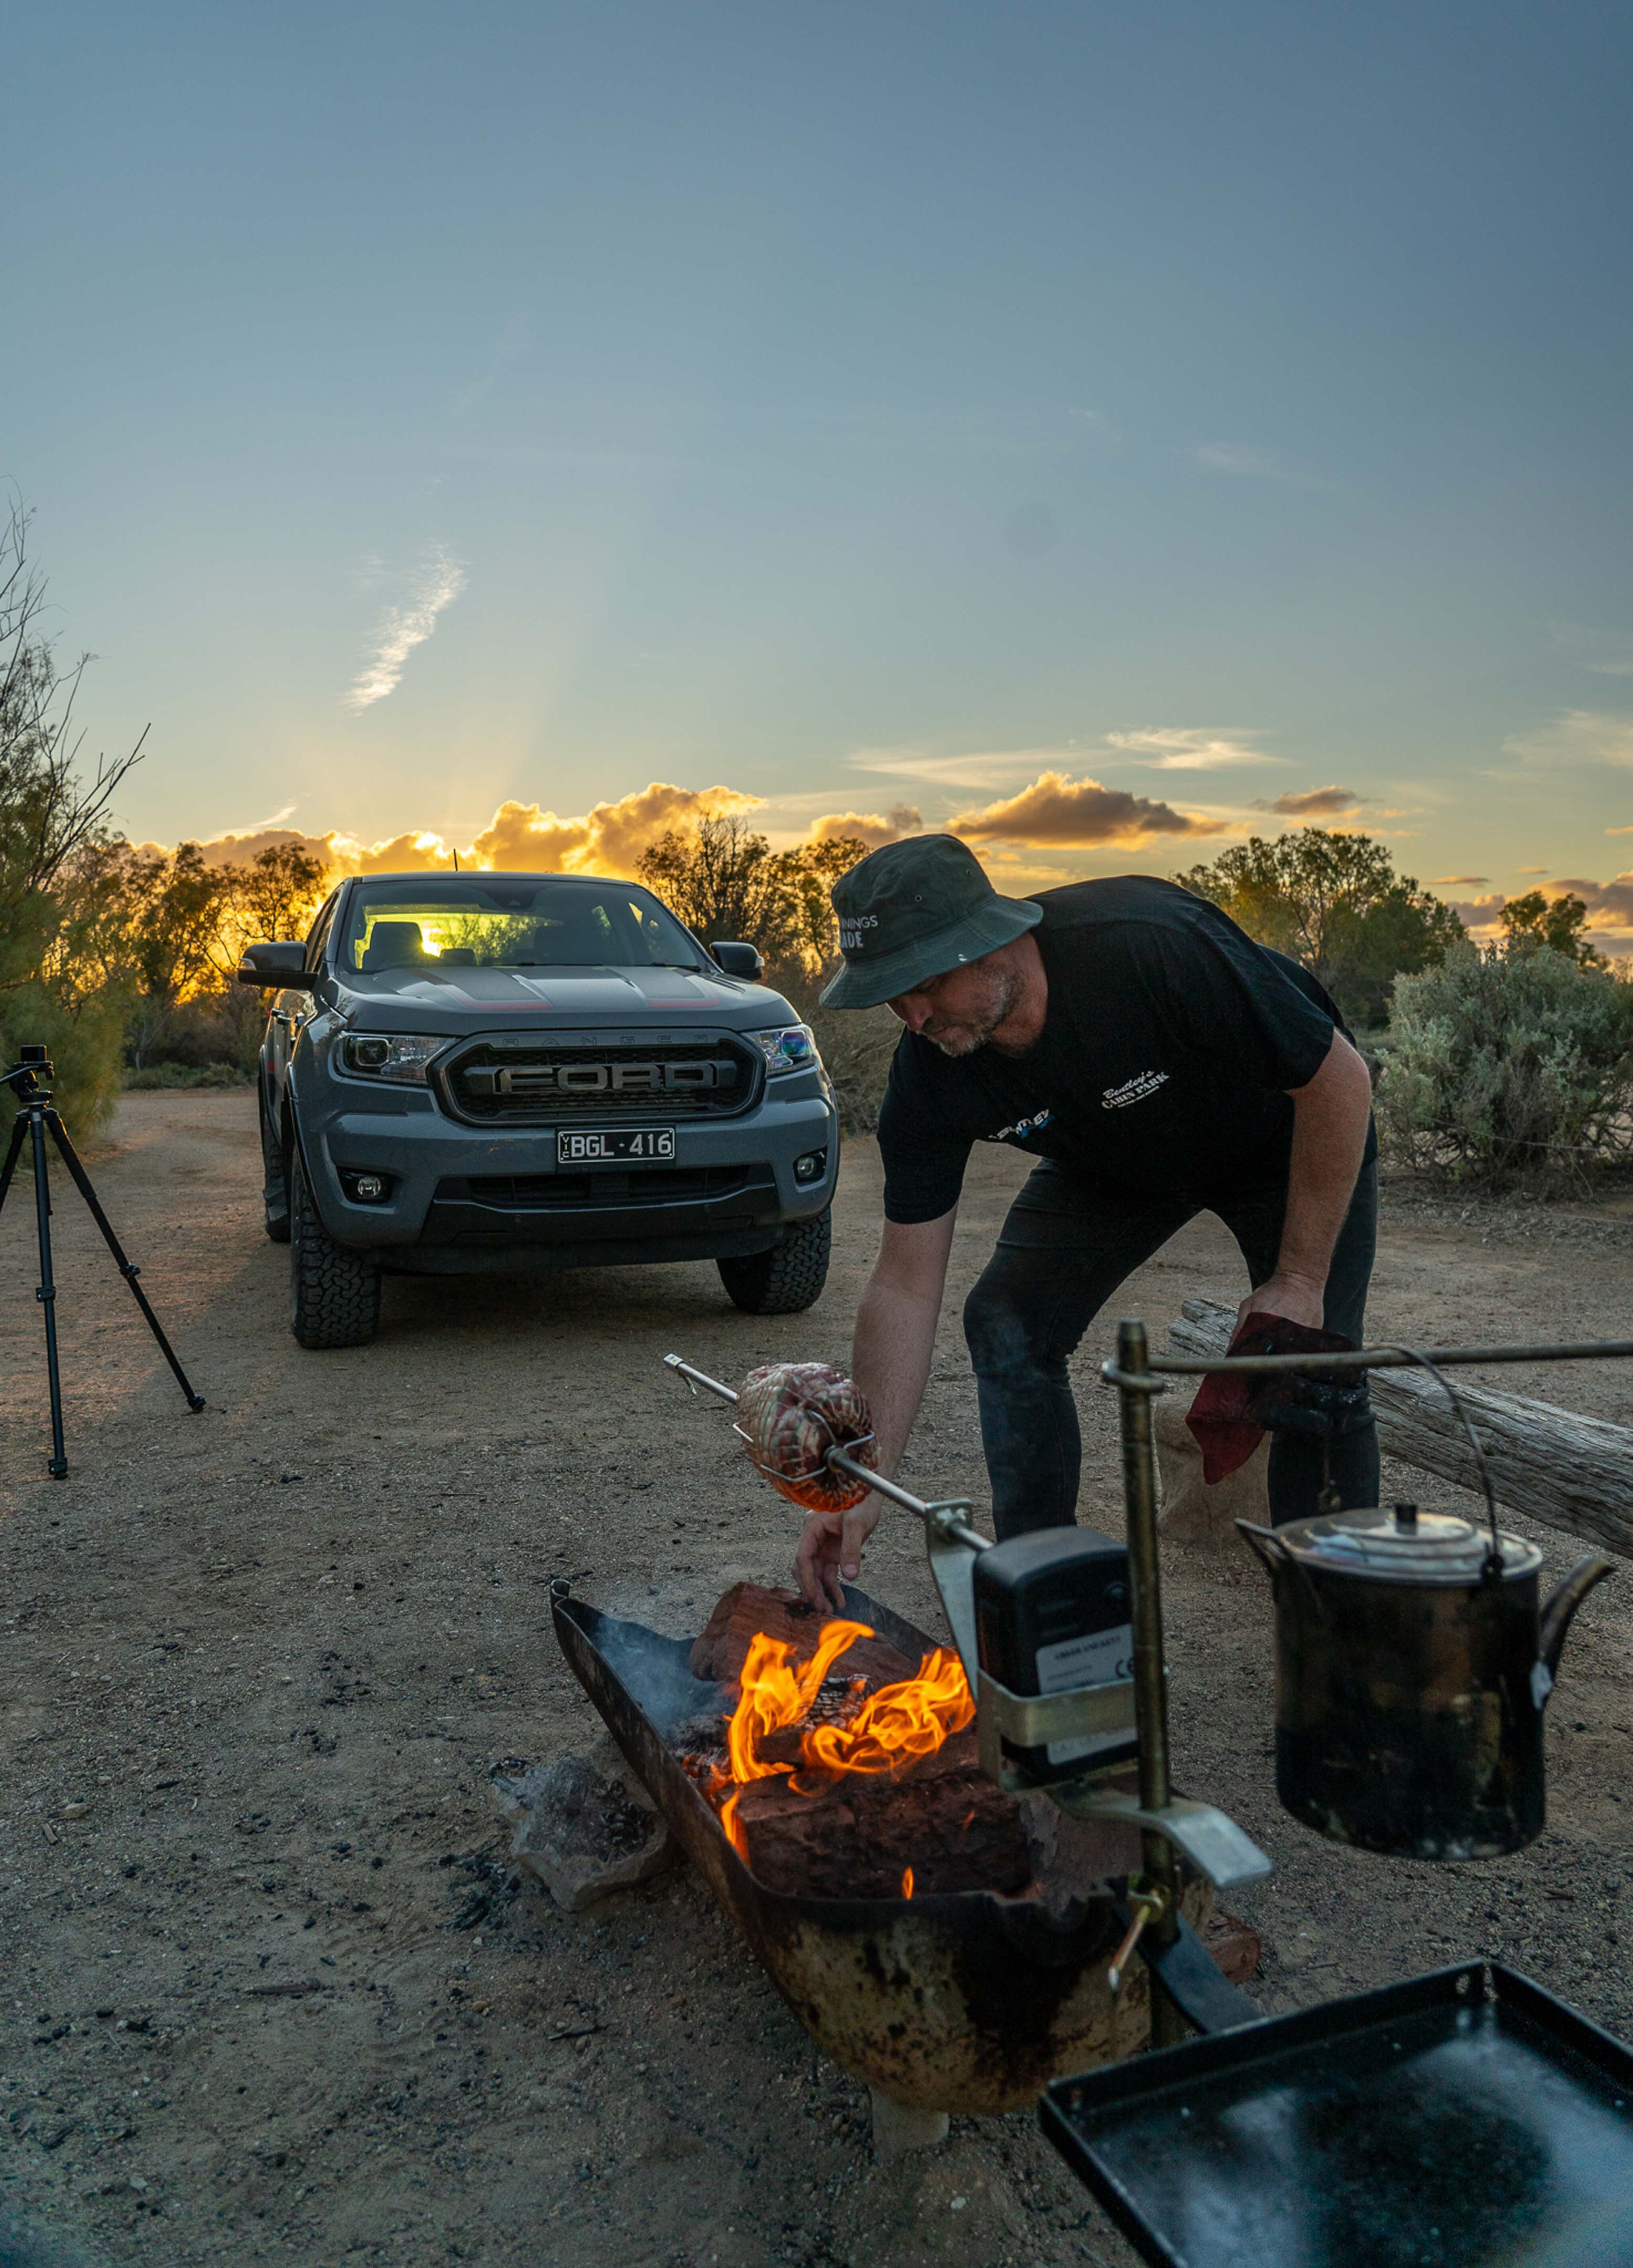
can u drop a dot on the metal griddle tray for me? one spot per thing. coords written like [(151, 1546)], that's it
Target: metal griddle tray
[(1460, 2120)]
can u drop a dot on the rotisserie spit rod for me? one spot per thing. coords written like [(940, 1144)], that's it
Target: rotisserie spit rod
[(943, 1518)]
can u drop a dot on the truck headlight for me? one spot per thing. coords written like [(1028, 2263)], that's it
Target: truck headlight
[(399, 1055), (787, 1047)]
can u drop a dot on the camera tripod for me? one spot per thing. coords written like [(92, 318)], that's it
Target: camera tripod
[(36, 1115)]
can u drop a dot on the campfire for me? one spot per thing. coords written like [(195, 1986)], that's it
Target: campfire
[(840, 1768)]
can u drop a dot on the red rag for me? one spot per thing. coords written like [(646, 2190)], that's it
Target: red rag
[(1221, 1418)]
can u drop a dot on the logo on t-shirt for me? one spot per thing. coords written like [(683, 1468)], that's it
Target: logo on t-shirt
[(1133, 1090), (1021, 1129)]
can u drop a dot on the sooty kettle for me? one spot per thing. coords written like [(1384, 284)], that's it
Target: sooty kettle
[(1413, 1663)]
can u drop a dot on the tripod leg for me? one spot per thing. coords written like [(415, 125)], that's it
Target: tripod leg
[(19, 1130), (127, 1268), (47, 1293)]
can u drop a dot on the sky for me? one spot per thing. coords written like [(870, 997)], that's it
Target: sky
[(1110, 432)]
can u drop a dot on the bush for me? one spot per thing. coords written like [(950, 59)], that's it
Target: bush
[(1510, 1064), (165, 1076)]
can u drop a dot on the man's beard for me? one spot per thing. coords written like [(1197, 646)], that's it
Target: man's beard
[(999, 998)]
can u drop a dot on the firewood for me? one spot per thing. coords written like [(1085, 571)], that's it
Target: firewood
[(750, 1608), (857, 1837)]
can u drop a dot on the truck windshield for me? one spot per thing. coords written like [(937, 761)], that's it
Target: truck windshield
[(509, 922)]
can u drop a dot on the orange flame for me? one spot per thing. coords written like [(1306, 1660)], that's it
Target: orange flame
[(894, 1727), (899, 1722), (774, 1695)]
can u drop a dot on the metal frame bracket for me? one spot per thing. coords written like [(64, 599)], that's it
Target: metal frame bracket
[(1209, 1838)]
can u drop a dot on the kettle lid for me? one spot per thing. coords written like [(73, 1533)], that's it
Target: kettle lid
[(1402, 1544)]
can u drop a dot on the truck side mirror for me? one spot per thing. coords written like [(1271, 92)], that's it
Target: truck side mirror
[(738, 959), (281, 967)]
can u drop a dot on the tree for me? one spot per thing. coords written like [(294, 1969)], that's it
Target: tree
[(1336, 903), (53, 842), (1530, 921), (724, 880)]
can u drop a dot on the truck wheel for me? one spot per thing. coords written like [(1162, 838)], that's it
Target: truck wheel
[(274, 1190), (789, 1278), (334, 1294)]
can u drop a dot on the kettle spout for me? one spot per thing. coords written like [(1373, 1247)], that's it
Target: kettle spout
[(1563, 1601)]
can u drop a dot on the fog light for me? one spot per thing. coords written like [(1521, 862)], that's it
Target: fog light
[(365, 1188), (811, 1167)]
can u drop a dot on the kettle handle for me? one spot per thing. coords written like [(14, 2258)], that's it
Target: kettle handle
[(1258, 1539)]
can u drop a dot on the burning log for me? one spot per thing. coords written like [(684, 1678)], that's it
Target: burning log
[(843, 1769), (750, 1611), (859, 1836)]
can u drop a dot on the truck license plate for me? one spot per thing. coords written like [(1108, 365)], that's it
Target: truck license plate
[(625, 1147)]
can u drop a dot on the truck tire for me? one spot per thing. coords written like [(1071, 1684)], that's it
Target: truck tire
[(789, 1278), (274, 1189), (334, 1294)]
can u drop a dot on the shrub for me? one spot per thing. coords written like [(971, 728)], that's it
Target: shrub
[(1508, 1064)]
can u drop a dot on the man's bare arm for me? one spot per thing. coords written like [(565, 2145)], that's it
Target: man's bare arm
[(890, 1357), (1330, 1117)]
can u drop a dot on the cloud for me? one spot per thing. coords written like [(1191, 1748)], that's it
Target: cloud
[(436, 587), (1531, 870), (1074, 815), (1577, 736), (990, 767), (1613, 900), (1606, 653), (1482, 914), (868, 827), (606, 840), (1461, 881), (1609, 831), (1314, 803), (1242, 461), (1190, 748)]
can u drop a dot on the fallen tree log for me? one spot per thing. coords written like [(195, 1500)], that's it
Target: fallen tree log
[(1546, 1463)]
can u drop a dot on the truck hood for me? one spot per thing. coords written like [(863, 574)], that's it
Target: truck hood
[(478, 999)]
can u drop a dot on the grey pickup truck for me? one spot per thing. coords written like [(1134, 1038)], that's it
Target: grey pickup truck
[(483, 1071)]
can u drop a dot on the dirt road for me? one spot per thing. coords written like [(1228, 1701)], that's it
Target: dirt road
[(261, 1662)]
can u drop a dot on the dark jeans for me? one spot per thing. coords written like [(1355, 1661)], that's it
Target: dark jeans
[(1064, 1248)]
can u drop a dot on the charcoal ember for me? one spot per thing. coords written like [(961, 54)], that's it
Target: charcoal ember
[(750, 1608), (790, 1414)]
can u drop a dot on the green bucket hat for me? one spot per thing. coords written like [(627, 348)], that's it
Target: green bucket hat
[(912, 911)]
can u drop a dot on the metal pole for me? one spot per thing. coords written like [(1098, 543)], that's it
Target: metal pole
[(47, 1292), (1151, 1689)]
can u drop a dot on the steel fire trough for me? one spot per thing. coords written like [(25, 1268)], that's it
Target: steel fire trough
[(965, 2001)]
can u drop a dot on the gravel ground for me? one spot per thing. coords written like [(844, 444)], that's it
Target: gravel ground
[(262, 1662)]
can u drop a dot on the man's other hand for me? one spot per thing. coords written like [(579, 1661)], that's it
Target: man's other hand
[(830, 1547), (1296, 1297)]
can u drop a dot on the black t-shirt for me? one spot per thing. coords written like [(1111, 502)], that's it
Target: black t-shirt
[(1169, 1044)]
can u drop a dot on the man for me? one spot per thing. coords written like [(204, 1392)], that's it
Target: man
[(1157, 1064)]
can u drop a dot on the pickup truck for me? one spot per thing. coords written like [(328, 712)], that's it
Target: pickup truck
[(477, 1071)]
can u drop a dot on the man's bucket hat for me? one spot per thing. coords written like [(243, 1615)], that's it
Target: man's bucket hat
[(912, 911)]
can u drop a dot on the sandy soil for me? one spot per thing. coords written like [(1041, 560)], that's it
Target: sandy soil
[(267, 1657)]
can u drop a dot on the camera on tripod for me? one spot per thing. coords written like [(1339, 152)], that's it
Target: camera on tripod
[(30, 1078)]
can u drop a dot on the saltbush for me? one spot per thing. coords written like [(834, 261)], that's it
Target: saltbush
[(1506, 1064)]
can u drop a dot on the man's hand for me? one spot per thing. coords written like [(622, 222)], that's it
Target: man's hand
[(830, 1546), (1298, 1298)]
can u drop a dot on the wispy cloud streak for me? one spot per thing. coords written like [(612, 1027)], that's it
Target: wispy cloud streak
[(435, 588)]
